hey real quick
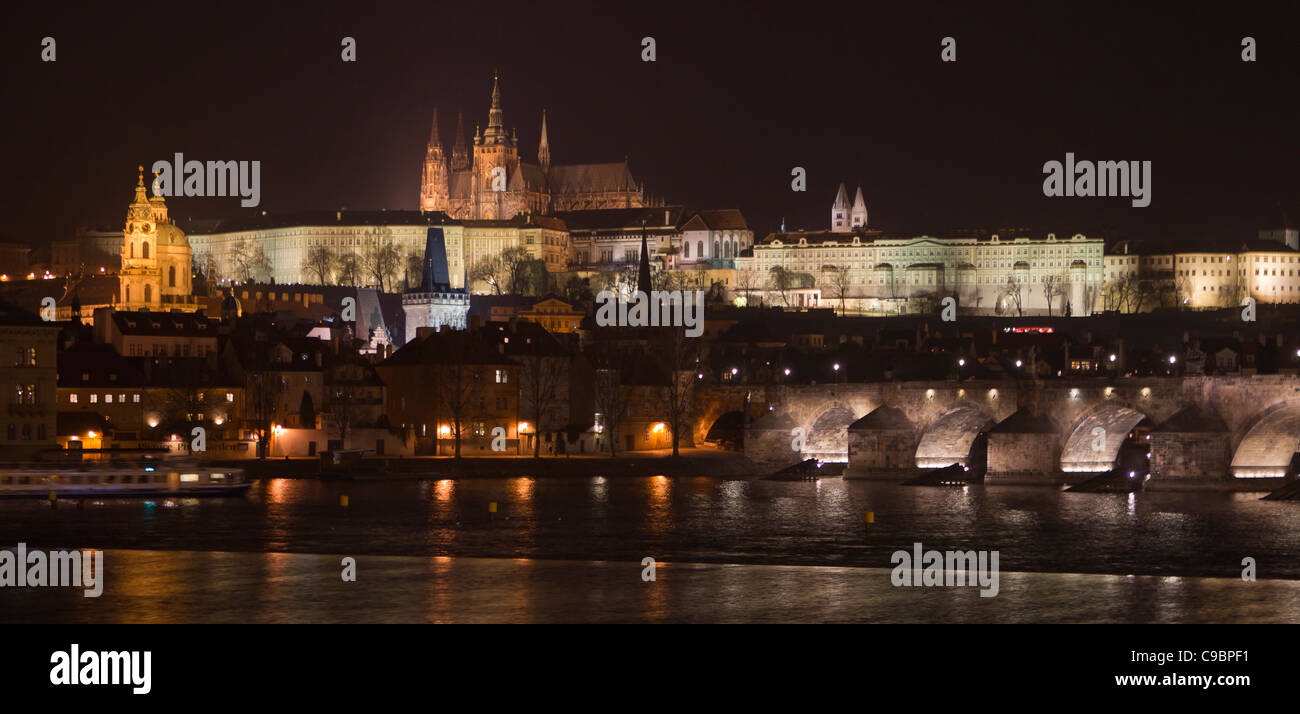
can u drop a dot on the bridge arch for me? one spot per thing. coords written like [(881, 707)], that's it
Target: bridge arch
[(828, 434), (1094, 443), (1269, 444), (949, 439)]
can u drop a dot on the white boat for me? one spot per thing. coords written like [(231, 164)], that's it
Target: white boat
[(116, 477)]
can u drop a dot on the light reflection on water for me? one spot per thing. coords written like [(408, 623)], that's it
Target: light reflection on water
[(220, 587), (697, 519)]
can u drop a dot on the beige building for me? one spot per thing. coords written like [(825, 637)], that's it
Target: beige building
[(871, 271), (277, 248), (29, 372)]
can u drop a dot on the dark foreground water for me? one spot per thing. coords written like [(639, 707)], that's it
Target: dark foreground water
[(215, 587), (561, 549)]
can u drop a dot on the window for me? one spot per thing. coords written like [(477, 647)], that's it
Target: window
[(135, 398), (94, 399), (503, 376), (72, 399)]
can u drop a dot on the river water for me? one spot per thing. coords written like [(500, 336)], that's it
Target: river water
[(570, 549)]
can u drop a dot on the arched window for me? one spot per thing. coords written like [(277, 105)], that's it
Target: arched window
[(699, 249), (171, 277), (715, 249), (144, 249), (148, 293), (128, 293), (686, 249), (132, 250)]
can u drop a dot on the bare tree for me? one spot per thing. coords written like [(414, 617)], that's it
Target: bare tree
[(1015, 291), (242, 258), (348, 269), (343, 408), (414, 269), (379, 262), (1053, 287), (746, 283), (260, 397), (781, 280), (839, 282), (461, 385), (609, 401), (541, 377), (680, 357), (319, 263)]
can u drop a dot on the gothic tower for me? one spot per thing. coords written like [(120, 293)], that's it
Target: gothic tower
[(459, 150), (840, 212), (859, 214), (496, 161), (544, 148), (435, 186)]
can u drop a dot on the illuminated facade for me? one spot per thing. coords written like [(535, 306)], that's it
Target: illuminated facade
[(493, 183)]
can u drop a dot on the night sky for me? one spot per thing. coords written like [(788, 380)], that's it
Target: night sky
[(738, 96)]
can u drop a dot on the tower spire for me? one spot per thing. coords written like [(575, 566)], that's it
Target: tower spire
[(434, 140), (496, 132), (544, 146), (460, 150)]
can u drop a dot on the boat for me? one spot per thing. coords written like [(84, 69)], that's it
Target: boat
[(121, 476)]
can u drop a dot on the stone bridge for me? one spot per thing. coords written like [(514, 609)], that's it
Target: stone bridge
[(1235, 432)]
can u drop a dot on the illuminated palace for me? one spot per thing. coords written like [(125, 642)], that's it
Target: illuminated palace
[(493, 183), (870, 270)]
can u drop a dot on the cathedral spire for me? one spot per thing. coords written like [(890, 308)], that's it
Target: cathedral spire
[(840, 211), (496, 131), (544, 146), (859, 215), (460, 150), (434, 139)]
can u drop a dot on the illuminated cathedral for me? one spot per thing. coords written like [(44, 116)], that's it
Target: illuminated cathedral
[(493, 183)]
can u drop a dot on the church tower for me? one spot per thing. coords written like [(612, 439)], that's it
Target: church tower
[(139, 276), (859, 214), (460, 150), (435, 186), (840, 212), (544, 148), (496, 161)]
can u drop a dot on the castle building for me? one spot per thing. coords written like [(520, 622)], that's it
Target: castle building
[(279, 247), (859, 268), (494, 183)]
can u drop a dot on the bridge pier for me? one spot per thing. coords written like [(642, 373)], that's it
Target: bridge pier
[(1190, 449), (1024, 448), (882, 445)]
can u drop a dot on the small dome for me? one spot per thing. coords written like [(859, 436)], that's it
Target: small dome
[(169, 234)]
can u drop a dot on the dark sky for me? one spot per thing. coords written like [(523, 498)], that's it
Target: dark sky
[(739, 95)]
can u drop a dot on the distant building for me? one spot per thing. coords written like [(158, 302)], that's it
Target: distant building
[(29, 374)]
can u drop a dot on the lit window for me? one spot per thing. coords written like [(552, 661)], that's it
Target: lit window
[(72, 399)]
